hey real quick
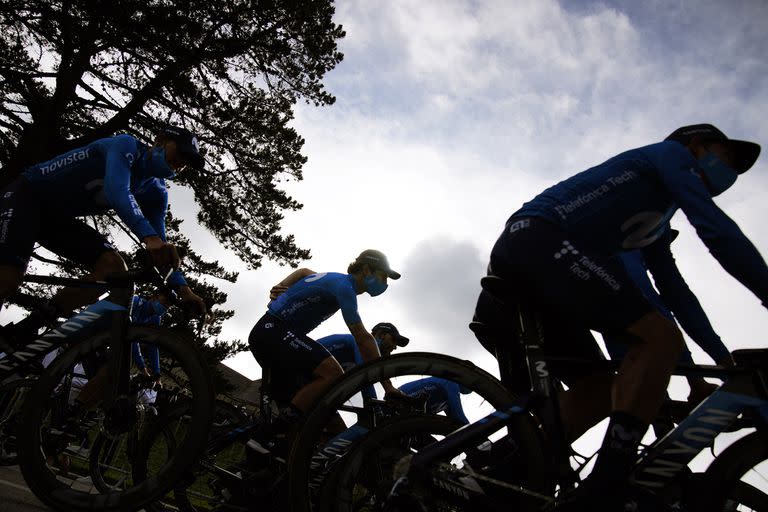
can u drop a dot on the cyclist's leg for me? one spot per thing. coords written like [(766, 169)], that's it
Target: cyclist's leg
[(290, 355), (77, 241), (323, 376), (641, 382), (19, 228), (568, 277)]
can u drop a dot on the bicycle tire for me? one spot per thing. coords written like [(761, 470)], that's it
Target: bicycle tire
[(462, 372), (43, 481), (724, 475), (339, 493), (12, 395)]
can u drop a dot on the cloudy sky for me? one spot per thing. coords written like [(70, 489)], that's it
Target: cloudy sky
[(451, 113)]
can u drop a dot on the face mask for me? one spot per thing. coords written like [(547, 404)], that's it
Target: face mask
[(374, 286), (719, 177), (157, 165)]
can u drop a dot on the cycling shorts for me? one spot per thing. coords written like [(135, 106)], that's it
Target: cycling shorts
[(25, 220), (292, 357), (574, 288)]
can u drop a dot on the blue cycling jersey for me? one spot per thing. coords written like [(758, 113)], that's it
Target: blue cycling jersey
[(116, 173), (344, 349), (314, 299), (443, 395), (146, 312), (626, 202)]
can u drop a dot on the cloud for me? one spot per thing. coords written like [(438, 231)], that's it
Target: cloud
[(450, 114), (440, 284)]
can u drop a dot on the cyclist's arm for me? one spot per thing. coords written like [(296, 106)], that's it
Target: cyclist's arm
[(156, 208), (369, 351), (676, 295), (368, 391), (732, 249), (365, 342), (293, 278), (117, 186)]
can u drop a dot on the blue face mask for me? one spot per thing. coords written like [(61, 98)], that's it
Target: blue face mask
[(374, 286), (157, 165), (719, 177)]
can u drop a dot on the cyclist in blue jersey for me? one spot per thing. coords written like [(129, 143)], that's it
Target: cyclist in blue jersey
[(302, 369), (343, 348), (117, 174), (442, 395), (560, 251)]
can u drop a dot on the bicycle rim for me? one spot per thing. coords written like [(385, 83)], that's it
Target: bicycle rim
[(56, 461), (311, 461), (738, 477)]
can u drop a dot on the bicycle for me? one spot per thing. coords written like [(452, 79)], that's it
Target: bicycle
[(230, 476), (535, 458), (306, 480), (100, 336)]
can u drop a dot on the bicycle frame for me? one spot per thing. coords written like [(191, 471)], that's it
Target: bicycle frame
[(669, 456), (743, 391)]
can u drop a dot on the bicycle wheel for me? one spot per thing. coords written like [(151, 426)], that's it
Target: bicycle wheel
[(196, 491), (366, 474), (739, 475), (60, 476), (311, 459), (12, 395)]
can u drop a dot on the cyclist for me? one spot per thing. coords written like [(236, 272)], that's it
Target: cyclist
[(117, 173), (442, 395), (279, 339), (343, 348), (559, 248)]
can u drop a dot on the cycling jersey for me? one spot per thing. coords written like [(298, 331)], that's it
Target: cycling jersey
[(146, 312), (626, 202), (443, 395), (310, 301), (116, 173), (344, 348)]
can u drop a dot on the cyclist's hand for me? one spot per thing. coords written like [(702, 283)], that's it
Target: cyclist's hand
[(163, 254), (276, 291), (196, 303)]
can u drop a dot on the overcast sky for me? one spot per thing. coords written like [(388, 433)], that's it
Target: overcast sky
[(451, 113)]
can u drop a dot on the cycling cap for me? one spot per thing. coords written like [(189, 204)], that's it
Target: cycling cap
[(386, 327), (376, 260), (186, 144), (744, 153)]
